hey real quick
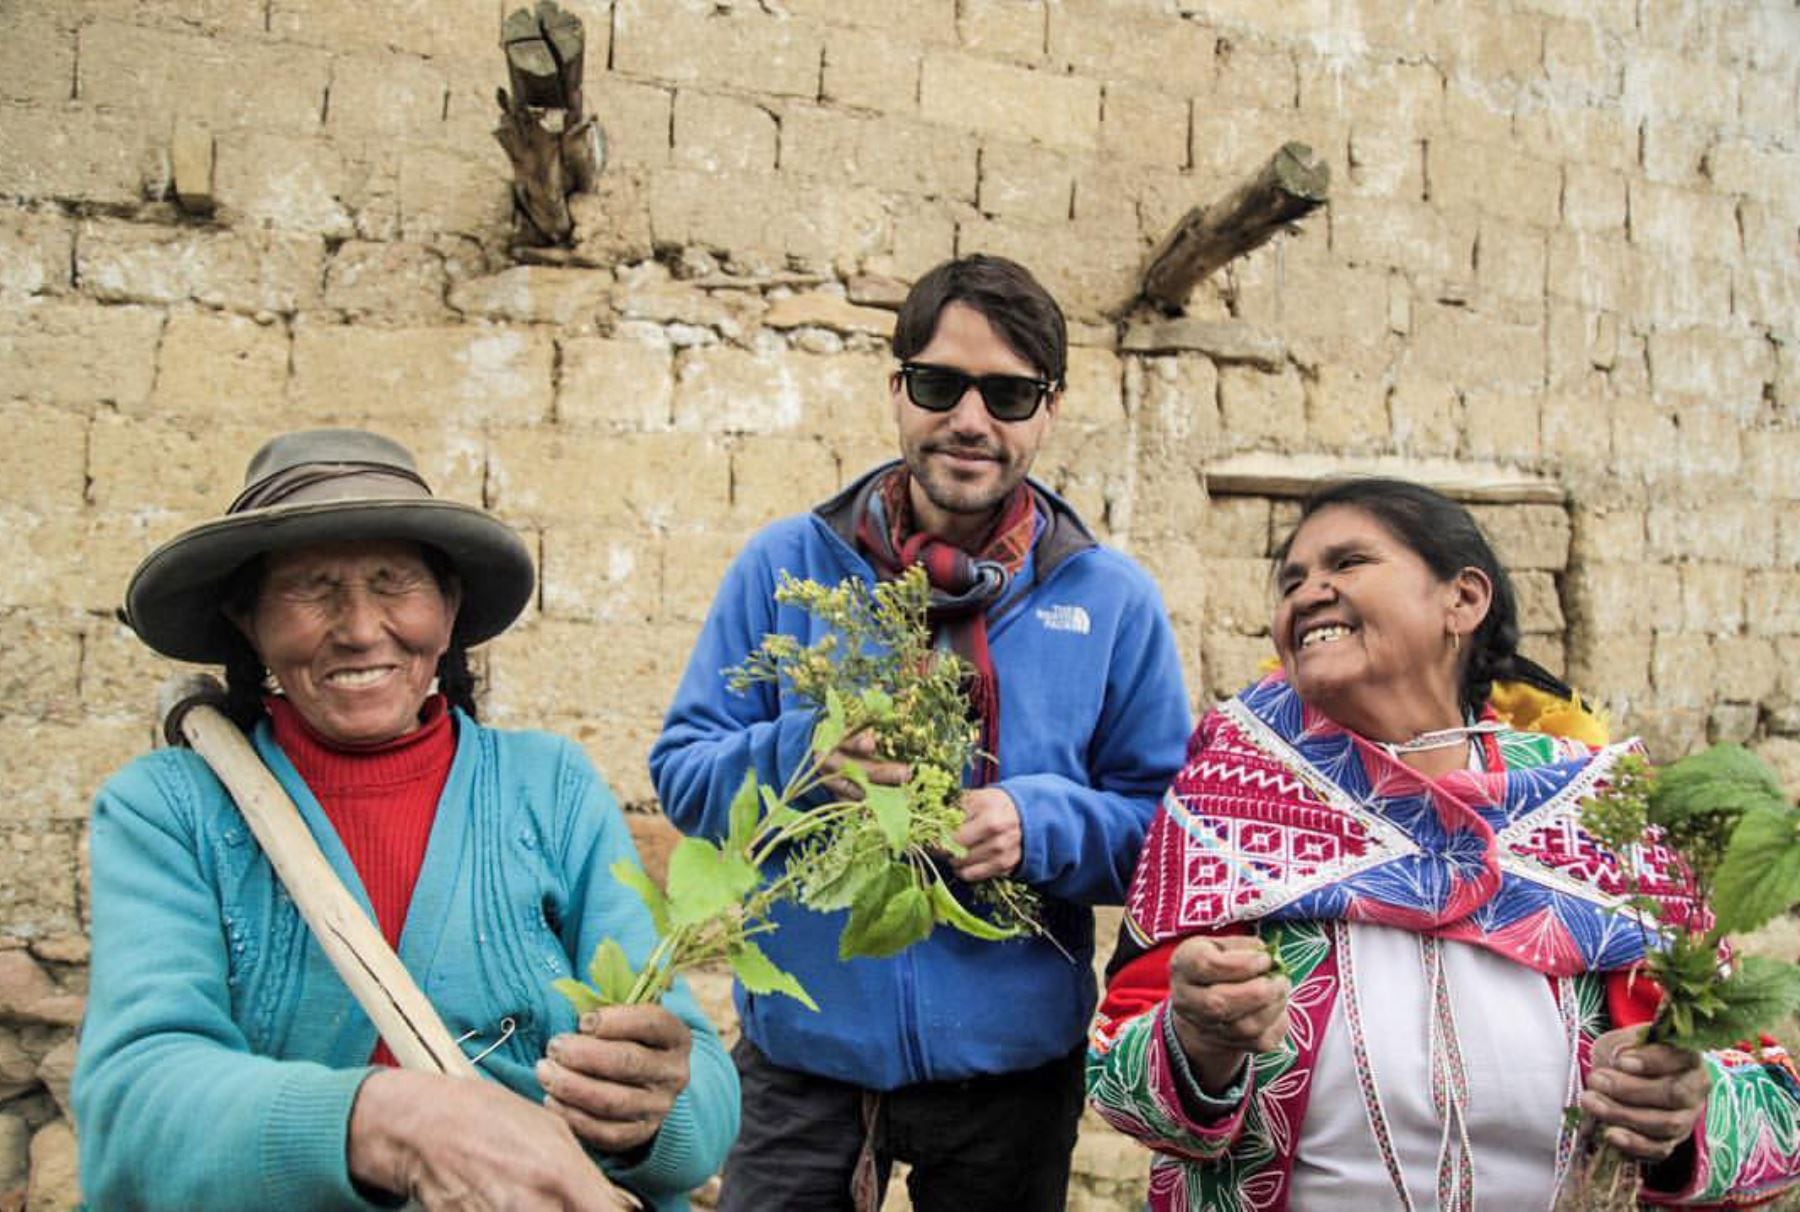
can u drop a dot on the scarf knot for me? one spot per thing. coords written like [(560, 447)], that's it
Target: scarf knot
[(964, 585)]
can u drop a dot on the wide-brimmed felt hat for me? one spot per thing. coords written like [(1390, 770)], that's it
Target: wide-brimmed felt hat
[(319, 486)]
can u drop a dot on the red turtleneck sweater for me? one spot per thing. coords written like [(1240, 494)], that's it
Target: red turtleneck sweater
[(381, 799)]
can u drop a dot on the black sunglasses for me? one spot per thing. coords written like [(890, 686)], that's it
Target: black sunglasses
[(1006, 397)]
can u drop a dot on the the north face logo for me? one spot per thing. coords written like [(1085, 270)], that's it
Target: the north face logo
[(1064, 618)]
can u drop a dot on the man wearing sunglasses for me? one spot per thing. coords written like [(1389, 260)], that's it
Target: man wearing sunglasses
[(961, 1058)]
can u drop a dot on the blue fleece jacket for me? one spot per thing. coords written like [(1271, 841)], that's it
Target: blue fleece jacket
[(1093, 720), (221, 1054)]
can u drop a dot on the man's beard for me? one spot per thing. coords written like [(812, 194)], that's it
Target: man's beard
[(953, 495)]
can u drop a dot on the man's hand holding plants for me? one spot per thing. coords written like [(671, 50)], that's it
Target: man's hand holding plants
[(859, 752), (991, 836)]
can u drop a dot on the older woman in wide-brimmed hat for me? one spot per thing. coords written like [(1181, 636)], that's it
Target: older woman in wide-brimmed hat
[(223, 1062)]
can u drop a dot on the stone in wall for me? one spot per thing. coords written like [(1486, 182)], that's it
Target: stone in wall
[(46, 353), (36, 250), (243, 270), (223, 365), (392, 283)]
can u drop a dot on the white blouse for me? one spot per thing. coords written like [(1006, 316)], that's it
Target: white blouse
[(1515, 1069)]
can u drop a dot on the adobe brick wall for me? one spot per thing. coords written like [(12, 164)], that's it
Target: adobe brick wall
[(1562, 240)]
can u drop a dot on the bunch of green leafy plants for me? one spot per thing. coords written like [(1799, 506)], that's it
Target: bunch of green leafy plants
[(1724, 813), (842, 840)]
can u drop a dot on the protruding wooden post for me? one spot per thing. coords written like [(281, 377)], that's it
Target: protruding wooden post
[(555, 150), (1293, 183)]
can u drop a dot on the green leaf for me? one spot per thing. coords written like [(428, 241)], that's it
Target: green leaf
[(627, 872), (828, 733), (760, 975), (853, 772), (777, 815), (825, 890), (949, 911), (1725, 779), (892, 811), (610, 972), (877, 884), (1272, 948), (1761, 994), (877, 704), (704, 881), (580, 996), (745, 811), (1759, 878), (889, 916)]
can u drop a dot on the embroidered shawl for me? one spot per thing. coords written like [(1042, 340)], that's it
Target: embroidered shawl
[(1282, 815)]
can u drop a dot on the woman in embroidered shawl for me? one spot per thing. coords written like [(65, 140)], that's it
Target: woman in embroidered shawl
[(223, 1062), (1452, 972)]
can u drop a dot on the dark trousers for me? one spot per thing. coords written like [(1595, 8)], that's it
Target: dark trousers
[(999, 1143)]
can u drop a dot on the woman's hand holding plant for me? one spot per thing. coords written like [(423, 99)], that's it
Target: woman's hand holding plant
[(1228, 1002), (615, 1080), (448, 1142), (1738, 835), (1645, 1097)]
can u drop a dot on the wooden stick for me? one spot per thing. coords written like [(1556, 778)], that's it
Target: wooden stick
[(1293, 183), (530, 64), (540, 190), (555, 150)]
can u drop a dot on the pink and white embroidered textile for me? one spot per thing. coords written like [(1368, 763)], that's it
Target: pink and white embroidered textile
[(1283, 815)]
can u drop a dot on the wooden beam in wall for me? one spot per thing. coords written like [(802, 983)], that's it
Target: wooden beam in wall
[(1291, 185), (1290, 476)]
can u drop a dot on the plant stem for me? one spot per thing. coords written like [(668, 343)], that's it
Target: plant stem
[(763, 848), (645, 988)]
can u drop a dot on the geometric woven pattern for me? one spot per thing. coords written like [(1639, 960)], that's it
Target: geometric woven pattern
[(1281, 814)]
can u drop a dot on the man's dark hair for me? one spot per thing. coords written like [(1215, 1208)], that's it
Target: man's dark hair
[(1004, 292), (1447, 537)]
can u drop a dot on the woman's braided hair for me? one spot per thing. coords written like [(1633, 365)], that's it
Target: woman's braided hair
[(1446, 536), (244, 673)]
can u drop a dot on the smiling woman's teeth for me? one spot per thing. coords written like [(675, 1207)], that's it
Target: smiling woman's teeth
[(356, 677), (1324, 635)]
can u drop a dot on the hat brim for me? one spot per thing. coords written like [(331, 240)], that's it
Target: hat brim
[(175, 598)]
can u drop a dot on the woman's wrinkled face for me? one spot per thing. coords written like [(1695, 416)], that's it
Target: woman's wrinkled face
[(1360, 617), (352, 633)]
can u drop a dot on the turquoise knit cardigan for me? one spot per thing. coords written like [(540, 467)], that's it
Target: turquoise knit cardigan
[(221, 1053)]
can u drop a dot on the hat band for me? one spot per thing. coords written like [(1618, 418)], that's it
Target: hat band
[(345, 481)]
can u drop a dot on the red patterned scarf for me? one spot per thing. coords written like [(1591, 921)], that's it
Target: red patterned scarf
[(963, 585)]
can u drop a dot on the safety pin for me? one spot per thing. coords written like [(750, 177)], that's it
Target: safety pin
[(507, 1027)]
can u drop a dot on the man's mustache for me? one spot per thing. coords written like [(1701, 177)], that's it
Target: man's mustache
[(965, 450)]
